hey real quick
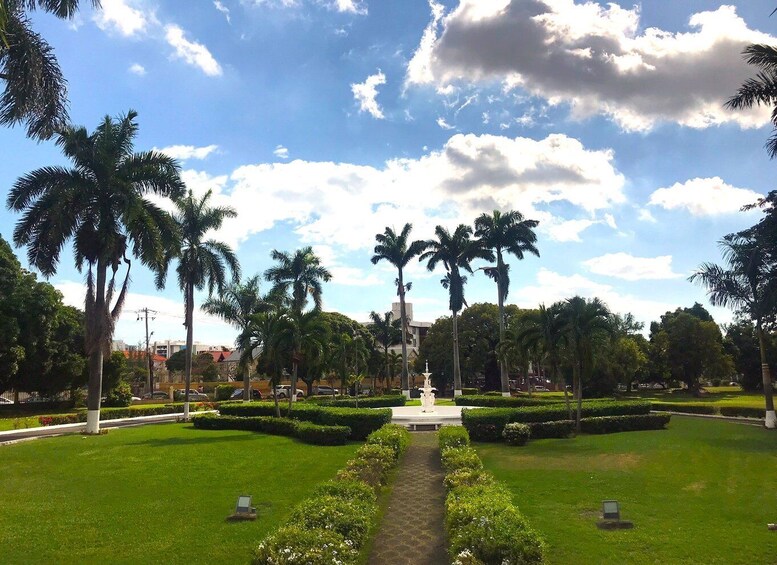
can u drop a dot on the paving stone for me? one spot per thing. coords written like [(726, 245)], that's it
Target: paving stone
[(412, 531)]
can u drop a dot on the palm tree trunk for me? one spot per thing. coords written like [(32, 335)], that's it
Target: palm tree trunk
[(771, 418), (97, 328), (456, 365), (566, 394), (189, 346), (293, 388), (578, 393), (274, 386), (388, 371), (503, 373), (404, 381), (247, 383)]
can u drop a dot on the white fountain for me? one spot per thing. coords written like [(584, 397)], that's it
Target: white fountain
[(427, 396)]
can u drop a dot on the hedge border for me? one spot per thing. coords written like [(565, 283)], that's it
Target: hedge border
[(306, 432)]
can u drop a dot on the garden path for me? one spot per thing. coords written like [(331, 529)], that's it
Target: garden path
[(412, 529)]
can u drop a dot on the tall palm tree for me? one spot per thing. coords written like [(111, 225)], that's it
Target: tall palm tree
[(35, 92), (298, 276), (387, 333), (503, 234), (760, 90), (260, 335), (301, 335), (584, 321), (236, 305), (101, 205), (455, 251), (201, 262), (749, 287), (398, 251)]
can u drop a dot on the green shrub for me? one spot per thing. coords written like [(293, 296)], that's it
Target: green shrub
[(493, 393), (58, 419), (292, 545), (119, 396), (499, 401), (393, 436), (452, 436), (374, 402), (485, 424), (628, 423), (467, 478), (516, 434), (383, 456), (317, 434), (466, 557), (347, 490), (743, 411), (351, 518), (558, 429), (304, 431), (684, 407), (224, 392), (455, 458), (468, 391)]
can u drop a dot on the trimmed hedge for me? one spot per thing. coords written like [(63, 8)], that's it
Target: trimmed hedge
[(452, 436), (361, 421), (334, 524), (224, 392), (304, 431), (373, 402), (486, 424), (545, 430), (498, 401), (483, 525), (116, 413), (743, 412), (469, 391), (516, 434), (685, 407), (629, 423)]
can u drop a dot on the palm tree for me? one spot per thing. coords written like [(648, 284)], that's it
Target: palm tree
[(201, 262), (505, 234), (748, 286), (236, 305), (761, 90), (455, 251), (35, 91), (394, 364), (300, 335), (101, 205), (387, 333), (260, 335), (394, 248), (584, 321), (298, 276)]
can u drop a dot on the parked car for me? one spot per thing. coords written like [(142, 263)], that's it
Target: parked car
[(283, 391), (136, 399), (238, 394), (540, 389), (156, 395), (5, 401), (194, 396), (327, 390)]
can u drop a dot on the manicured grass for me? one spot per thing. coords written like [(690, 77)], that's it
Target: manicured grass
[(152, 494), (437, 402), (699, 492), (20, 422), (718, 396)]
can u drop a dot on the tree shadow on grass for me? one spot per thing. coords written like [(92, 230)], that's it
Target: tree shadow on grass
[(199, 440)]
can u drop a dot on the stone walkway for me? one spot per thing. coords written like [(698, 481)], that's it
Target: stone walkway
[(412, 530)]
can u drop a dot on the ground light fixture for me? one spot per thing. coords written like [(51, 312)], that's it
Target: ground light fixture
[(243, 509), (611, 517)]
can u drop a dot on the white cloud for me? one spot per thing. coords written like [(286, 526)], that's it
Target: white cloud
[(185, 152), (444, 125), (193, 53), (704, 197), (342, 274), (598, 60), (137, 69), (281, 151), (468, 175), (350, 6), (121, 17), (630, 268), (566, 231), (223, 9), (646, 216), (366, 92)]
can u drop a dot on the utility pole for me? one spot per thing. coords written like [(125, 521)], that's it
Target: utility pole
[(149, 360)]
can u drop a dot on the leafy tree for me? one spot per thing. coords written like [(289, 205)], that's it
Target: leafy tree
[(35, 92), (398, 251), (749, 287), (115, 370), (585, 321), (260, 336), (626, 359), (11, 351), (436, 349), (741, 343), (101, 205), (455, 251), (176, 362), (201, 262), (387, 332), (507, 233), (236, 305)]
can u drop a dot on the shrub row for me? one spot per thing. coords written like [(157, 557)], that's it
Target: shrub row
[(334, 524), (494, 401), (453, 436), (546, 430), (116, 413), (373, 402), (629, 423), (304, 431), (482, 523), (361, 421), (701, 408), (487, 424)]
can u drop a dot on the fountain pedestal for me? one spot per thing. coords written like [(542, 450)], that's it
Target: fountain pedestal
[(427, 396)]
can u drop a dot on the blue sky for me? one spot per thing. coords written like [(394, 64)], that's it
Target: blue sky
[(323, 121)]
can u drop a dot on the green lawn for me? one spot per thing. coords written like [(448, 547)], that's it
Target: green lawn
[(699, 492), (151, 494), (718, 396)]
